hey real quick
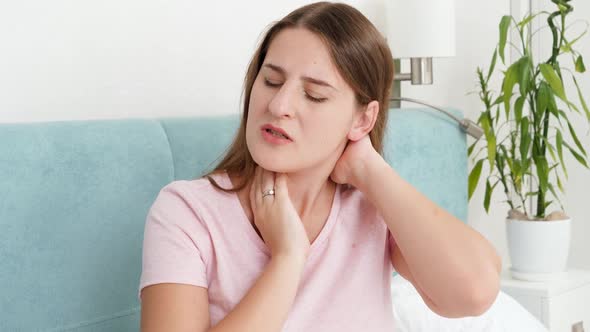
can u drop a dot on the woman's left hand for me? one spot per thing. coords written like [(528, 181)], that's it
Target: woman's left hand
[(353, 161)]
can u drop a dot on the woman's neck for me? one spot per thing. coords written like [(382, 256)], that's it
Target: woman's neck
[(309, 192)]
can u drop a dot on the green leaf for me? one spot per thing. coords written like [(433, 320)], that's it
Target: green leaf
[(547, 143), (474, 177), (516, 176), (552, 106), (518, 109), (576, 140), (526, 20), (481, 116), (572, 106), (576, 155), (559, 145), (551, 150), (554, 81), (505, 158), (525, 138), (580, 68), (504, 151), (490, 138), (560, 185), (553, 191), (504, 25), (568, 45), (563, 115), (547, 204), (582, 101), (498, 100), (542, 101), (542, 172), (470, 149), (510, 79), (524, 73), (492, 65), (526, 164), (488, 195), (510, 163), (542, 97)]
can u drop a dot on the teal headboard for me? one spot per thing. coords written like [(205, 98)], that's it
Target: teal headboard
[(75, 195)]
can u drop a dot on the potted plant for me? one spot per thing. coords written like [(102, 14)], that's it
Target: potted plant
[(527, 131)]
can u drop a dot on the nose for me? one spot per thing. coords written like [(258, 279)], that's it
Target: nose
[(283, 102)]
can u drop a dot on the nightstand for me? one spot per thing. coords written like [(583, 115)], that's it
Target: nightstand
[(562, 305)]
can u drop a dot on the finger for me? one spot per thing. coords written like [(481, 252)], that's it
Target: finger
[(268, 182)]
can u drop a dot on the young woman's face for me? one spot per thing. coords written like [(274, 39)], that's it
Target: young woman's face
[(300, 92)]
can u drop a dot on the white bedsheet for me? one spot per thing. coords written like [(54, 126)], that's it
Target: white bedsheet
[(412, 315)]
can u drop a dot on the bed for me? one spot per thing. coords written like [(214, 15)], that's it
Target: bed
[(412, 315)]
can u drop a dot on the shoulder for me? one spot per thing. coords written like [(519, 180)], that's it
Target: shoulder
[(359, 214), (354, 201), (189, 199), (196, 191)]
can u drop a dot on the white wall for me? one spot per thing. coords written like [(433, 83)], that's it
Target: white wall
[(109, 59), (116, 59)]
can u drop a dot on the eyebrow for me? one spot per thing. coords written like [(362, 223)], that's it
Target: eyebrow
[(305, 78)]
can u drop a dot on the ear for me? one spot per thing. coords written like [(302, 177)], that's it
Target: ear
[(364, 121)]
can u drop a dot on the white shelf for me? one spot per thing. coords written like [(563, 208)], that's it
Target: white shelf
[(559, 304)]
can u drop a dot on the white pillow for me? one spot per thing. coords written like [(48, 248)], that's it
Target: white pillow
[(411, 314)]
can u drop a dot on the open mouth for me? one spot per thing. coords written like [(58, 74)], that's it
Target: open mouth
[(276, 133)]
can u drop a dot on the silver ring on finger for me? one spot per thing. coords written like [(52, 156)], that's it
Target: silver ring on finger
[(268, 192)]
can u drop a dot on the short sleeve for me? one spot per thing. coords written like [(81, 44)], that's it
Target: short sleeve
[(173, 235)]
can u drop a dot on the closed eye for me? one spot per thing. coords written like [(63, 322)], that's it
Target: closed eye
[(307, 95), (315, 100), (271, 84)]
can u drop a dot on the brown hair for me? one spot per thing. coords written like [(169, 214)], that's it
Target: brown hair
[(360, 54)]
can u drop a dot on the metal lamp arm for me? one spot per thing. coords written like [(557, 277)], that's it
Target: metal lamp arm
[(467, 125)]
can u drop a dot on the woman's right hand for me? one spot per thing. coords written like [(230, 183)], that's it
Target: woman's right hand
[(276, 217)]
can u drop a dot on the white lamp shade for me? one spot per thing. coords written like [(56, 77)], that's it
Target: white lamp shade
[(420, 28)]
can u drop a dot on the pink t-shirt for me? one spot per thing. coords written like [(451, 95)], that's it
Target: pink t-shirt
[(198, 235)]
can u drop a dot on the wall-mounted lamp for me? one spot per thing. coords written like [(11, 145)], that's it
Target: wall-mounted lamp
[(420, 30)]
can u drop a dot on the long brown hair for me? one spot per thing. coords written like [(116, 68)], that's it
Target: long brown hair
[(360, 54)]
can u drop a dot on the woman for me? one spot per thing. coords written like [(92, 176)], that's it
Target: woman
[(273, 239)]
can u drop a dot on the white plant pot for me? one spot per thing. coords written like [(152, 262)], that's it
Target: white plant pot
[(538, 249)]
